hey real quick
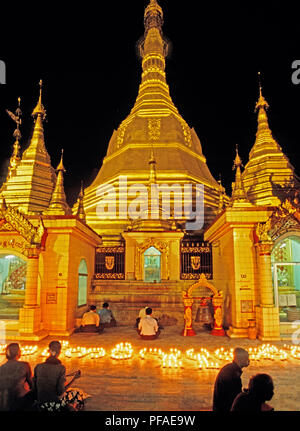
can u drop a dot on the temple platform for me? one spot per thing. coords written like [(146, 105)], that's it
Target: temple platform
[(143, 385)]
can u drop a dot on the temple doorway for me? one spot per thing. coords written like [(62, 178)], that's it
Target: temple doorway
[(12, 285), (286, 280), (152, 265)]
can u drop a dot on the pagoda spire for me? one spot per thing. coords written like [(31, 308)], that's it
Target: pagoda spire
[(153, 49), (264, 133), (221, 196), (37, 149), (268, 172), (15, 158), (80, 210), (238, 191), (58, 204)]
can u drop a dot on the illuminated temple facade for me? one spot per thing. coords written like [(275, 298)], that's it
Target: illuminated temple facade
[(154, 227)]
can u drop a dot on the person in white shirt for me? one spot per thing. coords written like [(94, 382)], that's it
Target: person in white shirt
[(90, 321), (142, 313), (148, 326)]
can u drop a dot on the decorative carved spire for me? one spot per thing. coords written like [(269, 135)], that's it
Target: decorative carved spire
[(238, 191), (153, 16), (264, 134), (39, 110), (153, 49), (37, 149), (58, 204), (80, 210), (221, 196), (15, 158)]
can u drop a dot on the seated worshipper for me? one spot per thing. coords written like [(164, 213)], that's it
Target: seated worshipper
[(142, 313), (253, 399), (15, 381), (51, 391), (90, 321), (107, 319), (148, 326)]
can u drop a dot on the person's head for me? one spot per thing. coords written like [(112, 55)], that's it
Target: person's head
[(148, 311), (54, 348), (13, 351), (105, 305), (261, 385), (241, 357), (93, 308)]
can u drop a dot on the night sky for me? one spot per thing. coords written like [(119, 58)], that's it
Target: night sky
[(87, 59)]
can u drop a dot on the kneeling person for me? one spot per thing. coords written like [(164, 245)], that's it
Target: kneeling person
[(148, 326)]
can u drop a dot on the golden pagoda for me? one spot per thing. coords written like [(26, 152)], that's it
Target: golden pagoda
[(30, 184), (268, 173), (154, 122)]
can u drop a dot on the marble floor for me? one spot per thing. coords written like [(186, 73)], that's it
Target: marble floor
[(144, 385)]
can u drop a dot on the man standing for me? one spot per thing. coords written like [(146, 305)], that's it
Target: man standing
[(148, 327), (228, 383)]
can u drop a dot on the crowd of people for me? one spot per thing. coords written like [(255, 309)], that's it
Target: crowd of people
[(46, 388)]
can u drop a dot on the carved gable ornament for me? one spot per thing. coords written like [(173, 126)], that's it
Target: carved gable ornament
[(284, 219), (11, 219)]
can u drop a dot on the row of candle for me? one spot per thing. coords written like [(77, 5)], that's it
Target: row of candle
[(203, 357)]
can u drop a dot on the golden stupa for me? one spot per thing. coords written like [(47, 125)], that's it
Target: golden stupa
[(154, 126), (268, 175), (31, 178)]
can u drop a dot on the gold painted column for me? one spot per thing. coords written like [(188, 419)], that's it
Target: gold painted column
[(218, 315), (30, 314), (264, 273), (267, 313)]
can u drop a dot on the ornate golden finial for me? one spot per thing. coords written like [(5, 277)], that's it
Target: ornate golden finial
[(80, 210), (58, 204), (15, 158), (237, 161), (261, 103), (153, 16), (221, 205), (238, 191), (60, 166), (39, 110)]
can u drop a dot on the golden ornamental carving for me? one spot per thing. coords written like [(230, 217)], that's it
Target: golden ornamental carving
[(186, 133), (10, 216), (262, 231), (195, 262), (154, 128), (120, 135), (109, 262), (116, 249), (265, 248), (13, 243), (20, 223)]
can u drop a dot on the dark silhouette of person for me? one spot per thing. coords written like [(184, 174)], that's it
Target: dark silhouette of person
[(15, 380), (228, 383), (253, 399)]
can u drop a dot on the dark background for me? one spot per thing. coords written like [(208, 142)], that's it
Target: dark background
[(86, 55)]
